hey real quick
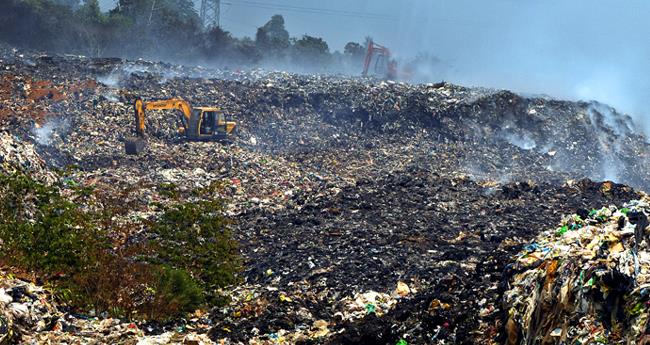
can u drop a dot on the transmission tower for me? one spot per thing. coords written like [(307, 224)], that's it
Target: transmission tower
[(210, 13)]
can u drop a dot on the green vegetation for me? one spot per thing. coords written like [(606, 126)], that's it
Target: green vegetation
[(42, 230), (155, 29), (273, 38), (194, 236), (310, 50), (83, 256), (169, 190)]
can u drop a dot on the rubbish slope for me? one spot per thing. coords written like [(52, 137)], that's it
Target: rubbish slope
[(584, 282), (367, 211)]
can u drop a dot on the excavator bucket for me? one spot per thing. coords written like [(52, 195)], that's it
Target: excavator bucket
[(134, 145)]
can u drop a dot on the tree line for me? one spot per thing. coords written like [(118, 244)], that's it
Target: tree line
[(163, 29)]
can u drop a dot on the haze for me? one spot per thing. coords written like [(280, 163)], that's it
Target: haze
[(569, 49)]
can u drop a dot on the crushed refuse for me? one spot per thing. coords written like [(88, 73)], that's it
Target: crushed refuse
[(367, 211), (585, 282), (28, 316)]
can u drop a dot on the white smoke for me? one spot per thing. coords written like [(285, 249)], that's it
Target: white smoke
[(576, 50), (603, 118), (521, 140), (110, 80), (111, 96), (44, 134)]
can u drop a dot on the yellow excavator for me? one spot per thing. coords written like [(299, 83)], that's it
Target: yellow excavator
[(198, 124)]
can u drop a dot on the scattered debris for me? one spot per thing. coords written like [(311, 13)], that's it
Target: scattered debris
[(586, 281), (367, 212)]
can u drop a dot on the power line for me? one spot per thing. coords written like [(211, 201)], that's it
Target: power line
[(309, 10), (354, 14), (343, 13), (303, 8), (240, 23)]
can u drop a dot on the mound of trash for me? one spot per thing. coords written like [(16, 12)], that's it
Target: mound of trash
[(366, 211), (16, 154), (28, 315), (586, 282)]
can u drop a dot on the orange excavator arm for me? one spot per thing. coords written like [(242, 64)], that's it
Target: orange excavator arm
[(368, 59), (173, 103), (381, 55)]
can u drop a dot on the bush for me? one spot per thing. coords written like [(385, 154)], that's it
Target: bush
[(177, 292), (168, 190), (70, 245), (123, 287), (193, 236), (43, 231)]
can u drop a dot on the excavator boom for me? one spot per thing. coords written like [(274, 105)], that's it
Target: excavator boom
[(173, 103)]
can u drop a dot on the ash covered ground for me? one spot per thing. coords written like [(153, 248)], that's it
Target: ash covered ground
[(344, 192)]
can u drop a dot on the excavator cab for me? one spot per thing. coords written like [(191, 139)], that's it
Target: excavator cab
[(213, 123), (207, 124), (381, 64)]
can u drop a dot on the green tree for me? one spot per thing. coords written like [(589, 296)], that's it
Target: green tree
[(354, 50), (353, 56), (92, 28), (155, 28), (272, 38), (247, 51), (140, 9), (311, 52), (218, 43), (70, 3), (41, 24), (176, 30)]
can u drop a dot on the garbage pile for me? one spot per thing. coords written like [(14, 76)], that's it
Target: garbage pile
[(366, 211), (28, 316), (16, 154), (586, 282)]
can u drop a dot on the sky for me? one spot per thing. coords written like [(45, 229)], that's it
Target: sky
[(578, 49)]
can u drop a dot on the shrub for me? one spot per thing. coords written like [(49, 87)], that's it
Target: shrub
[(41, 230), (70, 245), (193, 236), (114, 284), (169, 190), (136, 290), (177, 293)]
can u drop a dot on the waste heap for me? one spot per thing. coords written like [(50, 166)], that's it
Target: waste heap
[(366, 211), (28, 316), (16, 154), (586, 282)]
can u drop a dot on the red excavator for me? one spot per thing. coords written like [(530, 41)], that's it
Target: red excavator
[(380, 59)]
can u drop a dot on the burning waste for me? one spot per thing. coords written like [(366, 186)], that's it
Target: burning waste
[(343, 210)]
